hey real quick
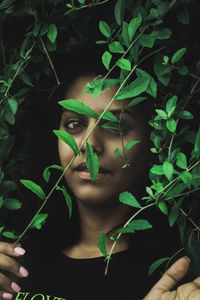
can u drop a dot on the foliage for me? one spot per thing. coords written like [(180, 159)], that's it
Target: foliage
[(157, 59)]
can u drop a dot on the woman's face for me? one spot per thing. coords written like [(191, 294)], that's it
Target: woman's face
[(113, 179)]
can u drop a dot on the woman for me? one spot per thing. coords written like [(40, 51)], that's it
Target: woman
[(77, 270)]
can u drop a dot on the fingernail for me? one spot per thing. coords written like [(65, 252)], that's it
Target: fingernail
[(23, 272), (188, 259), (19, 250), (15, 287), (7, 296)]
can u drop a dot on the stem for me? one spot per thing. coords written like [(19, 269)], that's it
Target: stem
[(193, 223), (50, 61), (118, 236), (172, 257)]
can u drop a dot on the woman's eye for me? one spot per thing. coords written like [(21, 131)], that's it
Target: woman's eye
[(73, 125)]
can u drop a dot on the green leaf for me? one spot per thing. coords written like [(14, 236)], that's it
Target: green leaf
[(161, 33), (68, 139), (111, 125), (176, 190), (135, 101), (156, 264), (9, 235), (44, 29), (106, 59), (13, 105), (171, 103), (171, 125), (124, 64), (163, 72), (134, 89), (81, 1), (183, 16), (147, 40), (152, 88), (109, 116), (195, 176), (35, 188), (157, 169), (102, 244), (181, 160), (6, 3), (38, 221), (128, 229), (184, 114), (187, 178), (168, 170), (119, 10), (141, 224), (130, 144), (183, 70), (92, 162), (78, 107), (68, 200), (117, 153), (133, 26), (11, 203), (52, 33), (174, 212), (162, 114), (197, 145), (116, 47), (163, 207), (178, 55), (47, 173), (129, 199), (105, 29)]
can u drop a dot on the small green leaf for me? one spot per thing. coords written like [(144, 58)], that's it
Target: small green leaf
[(81, 1), (109, 116), (68, 200), (141, 224), (157, 169), (163, 207), (78, 107), (111, 125), (130, 144), (171, 125), (168, 170), (134, 89), (35, 188), (171, 103), (10, 235), (174, 212), (197, 145), (178, 55), (11, 203), (133, 26), (147, 40), (152, 88), (187, 178), (52, 33), (181, 160), (13, 105), (156, 264), (124, 64), (92, 161), (106, 59), (129, 199), (68, 139), (184, 114), (116, 47), (176, 190), (119, 10), (117, 153), (105, 29), (38, 221), (183, 70), (128, 229), (102, 244), (183, 16), (135, 101), (47, 173), (162, 113)]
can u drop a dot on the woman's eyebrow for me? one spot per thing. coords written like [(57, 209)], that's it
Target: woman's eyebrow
[(126, 111)]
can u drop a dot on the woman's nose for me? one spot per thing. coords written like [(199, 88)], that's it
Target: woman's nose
[(96, 141)]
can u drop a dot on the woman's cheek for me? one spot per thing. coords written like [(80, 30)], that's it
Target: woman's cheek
[(65, 153)]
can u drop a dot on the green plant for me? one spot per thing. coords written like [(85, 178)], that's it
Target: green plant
[(153, 62)]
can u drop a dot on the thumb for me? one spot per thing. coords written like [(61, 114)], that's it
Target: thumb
[(169, 279)]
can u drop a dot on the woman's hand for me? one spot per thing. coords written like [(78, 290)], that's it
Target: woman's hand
[(162, 289), (11, 270)]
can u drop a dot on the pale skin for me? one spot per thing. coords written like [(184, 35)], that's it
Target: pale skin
[(98, 204)]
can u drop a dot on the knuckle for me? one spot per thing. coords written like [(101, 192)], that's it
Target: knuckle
[(5, 283), (9, 264)]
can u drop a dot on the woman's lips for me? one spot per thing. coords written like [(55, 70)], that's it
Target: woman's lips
[(86, 175)]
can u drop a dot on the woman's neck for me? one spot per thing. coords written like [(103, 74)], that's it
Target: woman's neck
[(95, 220)]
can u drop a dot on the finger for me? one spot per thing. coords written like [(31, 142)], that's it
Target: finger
[(6, 295), (11, 249), (9, 264), (8, 285), (197, 281), (173, 275)]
